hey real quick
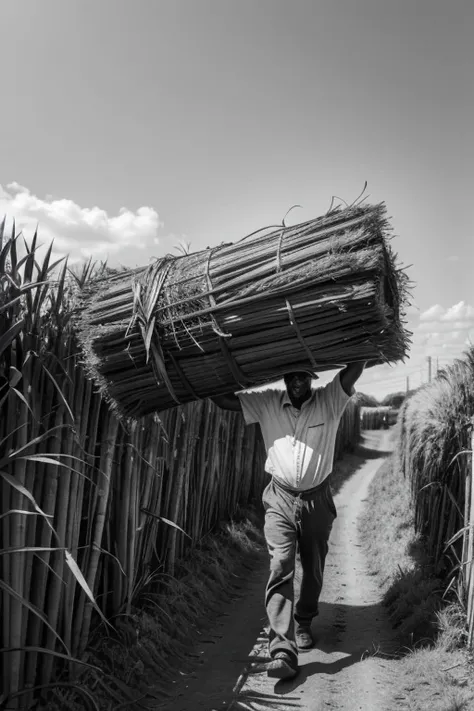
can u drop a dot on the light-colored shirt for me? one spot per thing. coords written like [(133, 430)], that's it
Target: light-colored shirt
[(299, 443)]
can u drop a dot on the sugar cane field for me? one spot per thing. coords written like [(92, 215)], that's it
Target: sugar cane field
[(133, 561)]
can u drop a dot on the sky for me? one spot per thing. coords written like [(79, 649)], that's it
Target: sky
[(129, 128)]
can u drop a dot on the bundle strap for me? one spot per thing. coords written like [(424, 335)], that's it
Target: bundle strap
[(299, 335), (186, 384), (289, 307)]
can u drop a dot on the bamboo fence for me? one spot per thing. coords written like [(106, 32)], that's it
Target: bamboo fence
[(435, 452), (317, 295), (91, 505)]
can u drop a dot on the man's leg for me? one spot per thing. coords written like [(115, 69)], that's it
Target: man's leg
[(317, 516), (280, 535)]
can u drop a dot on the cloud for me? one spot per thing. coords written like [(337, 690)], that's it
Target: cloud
[(440, 333), (434, 313), (459, 312), (444, 327), (453, 258), (449, 329), (83, 232)]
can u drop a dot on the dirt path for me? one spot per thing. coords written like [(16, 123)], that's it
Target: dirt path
[(341, 672)]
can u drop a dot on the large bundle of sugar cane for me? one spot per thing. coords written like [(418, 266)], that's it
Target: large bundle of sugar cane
[(315, 295)]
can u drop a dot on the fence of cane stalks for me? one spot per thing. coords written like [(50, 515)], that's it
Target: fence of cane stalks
[(92, 505), (376, 418), (435, 452)]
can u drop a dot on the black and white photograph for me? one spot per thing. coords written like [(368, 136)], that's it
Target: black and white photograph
[(236, 355)]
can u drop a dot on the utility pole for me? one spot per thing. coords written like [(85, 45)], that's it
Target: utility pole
[(429, 368), (408, 383)]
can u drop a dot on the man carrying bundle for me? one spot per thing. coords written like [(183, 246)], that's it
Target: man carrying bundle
[(299, 429)]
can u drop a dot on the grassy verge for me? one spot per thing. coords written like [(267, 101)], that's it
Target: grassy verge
[(155, 641), (435, 671)]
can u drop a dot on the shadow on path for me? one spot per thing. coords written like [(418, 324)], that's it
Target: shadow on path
[(347, 467), (366, 453), (329, 629)]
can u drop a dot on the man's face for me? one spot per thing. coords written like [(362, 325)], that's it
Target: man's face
[(298, 384)]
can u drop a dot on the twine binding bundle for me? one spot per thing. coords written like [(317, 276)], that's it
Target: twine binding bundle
[(315, 295)]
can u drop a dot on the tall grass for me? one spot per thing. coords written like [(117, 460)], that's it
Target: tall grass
[(434, 452), (91, 506)]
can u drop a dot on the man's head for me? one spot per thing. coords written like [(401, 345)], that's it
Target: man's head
[(298, 384)]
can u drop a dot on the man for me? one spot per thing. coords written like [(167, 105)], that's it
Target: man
[(299, 429)]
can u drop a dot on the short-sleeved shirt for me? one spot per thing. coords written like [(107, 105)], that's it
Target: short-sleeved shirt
[(299, 443)]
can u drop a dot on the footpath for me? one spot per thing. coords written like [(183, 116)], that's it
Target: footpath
[(351, 666)]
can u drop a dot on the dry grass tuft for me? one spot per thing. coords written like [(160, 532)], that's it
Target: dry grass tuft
[(435, 680), (387, 525), (451, 624)]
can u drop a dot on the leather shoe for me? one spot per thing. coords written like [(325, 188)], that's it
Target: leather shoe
[(304, 638), (282, 666)]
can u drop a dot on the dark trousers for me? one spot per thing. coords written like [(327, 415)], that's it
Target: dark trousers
[(292, 520)]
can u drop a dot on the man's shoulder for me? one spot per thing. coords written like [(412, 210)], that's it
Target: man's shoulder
[(258, 405)]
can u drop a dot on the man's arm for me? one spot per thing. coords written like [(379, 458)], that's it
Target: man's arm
[(229, 401), (350, 375)]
